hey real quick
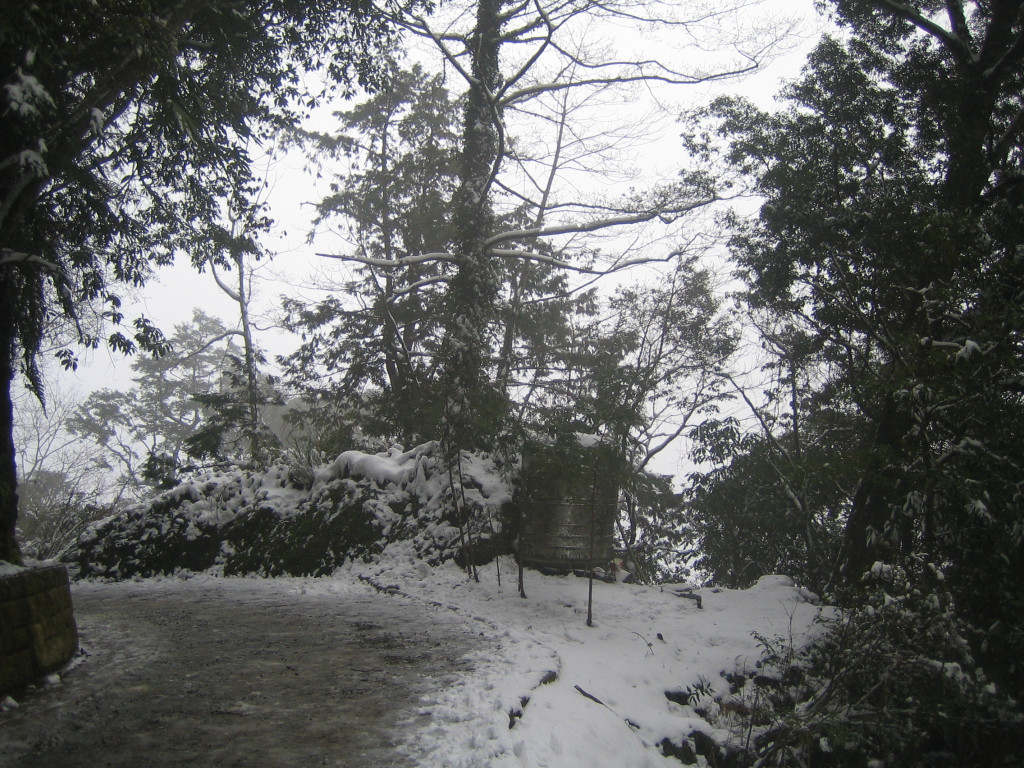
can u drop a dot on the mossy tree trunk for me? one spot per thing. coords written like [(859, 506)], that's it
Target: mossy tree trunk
[(9, 550), (474, 406)]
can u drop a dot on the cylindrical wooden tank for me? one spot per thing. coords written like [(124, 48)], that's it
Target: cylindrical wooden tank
[(569, 498)]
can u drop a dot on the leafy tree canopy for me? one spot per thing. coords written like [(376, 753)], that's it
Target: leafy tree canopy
[(180, 408), (122, 127), (891, 235)]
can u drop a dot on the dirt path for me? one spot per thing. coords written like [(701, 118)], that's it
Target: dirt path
[(239, 673)]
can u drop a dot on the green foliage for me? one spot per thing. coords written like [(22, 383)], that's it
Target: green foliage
[(651, 530), (142, 542), (769, 506), (227, 432), (377, 344), (649, 357), (640, 371), (892, 680), (114, 113), (891, 236), (249, 536), (316, 428), (184, 407), (890, 242), (299, 520), (742, 523), (123, 126), (313, 543), (400, 151)]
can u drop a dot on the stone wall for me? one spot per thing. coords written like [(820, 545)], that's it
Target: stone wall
[(37, 627)]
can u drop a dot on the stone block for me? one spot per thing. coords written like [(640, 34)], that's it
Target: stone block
[(52, 577), (14, 586), (38, 634), (53, 601), (15, 613), (57, 624), (15, 639), (51, 652)]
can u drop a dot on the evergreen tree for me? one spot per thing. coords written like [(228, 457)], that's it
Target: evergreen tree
[(375, 341), (510, 58), (891, 233), (375, 344), (186, 406), (763, 507), (121, 127)]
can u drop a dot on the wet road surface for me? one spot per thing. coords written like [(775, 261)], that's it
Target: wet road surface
[(239, 673)]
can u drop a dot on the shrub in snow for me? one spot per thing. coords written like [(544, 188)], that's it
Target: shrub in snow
[(306, 523), (159, 538), (891, 681)]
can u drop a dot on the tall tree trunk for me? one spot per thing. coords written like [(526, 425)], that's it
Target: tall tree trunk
[(9, 550), (251, 374), (473, 405), (864, 539)]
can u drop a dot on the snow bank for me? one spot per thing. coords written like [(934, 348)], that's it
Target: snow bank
[(9, 569), (395, 467), (561, 694), (421, 472)]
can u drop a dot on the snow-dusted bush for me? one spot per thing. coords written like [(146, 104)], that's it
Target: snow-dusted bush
[(305, 522), (890, 682)]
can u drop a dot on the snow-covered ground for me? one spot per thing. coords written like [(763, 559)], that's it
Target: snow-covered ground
[(562, 694), (558, 693), (547, 691)]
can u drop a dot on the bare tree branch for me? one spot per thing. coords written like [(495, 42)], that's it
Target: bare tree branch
[(594, 226), (958, 46)]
